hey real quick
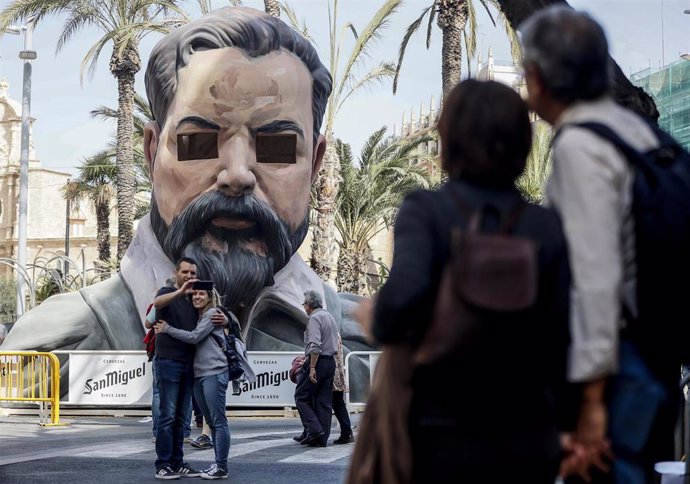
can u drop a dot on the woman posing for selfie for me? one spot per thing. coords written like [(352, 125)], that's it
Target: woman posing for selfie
[(210, 376)]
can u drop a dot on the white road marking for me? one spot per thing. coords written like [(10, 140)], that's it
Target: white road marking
[(242, 449), (320, 455)]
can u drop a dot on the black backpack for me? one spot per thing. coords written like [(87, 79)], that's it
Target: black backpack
[(661, 211), (227, 345)]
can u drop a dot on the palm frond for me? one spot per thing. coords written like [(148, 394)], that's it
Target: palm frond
[(91, 58), (430, 24), (485, 4), (531, 182), (376, 75), (77, 21), (34, 10), (469, 33), (370, 33), (294, 22), (411, 29), (104, 113), (372, 190)]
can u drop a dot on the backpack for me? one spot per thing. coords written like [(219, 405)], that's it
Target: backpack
[(488, 274), (661, 212), (227, 345)]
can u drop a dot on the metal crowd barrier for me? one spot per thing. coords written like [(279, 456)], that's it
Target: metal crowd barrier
[(373, 357), (30, 376)]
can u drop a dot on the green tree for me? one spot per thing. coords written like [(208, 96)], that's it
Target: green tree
[(142, 115), (123, 24), (95, 182), (272, 7), (369, 196), (457, 20), (531, 182), (351, 77), (97, 175), (8, 300)]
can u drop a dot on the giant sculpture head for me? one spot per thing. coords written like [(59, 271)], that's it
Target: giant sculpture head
[(238, 99)]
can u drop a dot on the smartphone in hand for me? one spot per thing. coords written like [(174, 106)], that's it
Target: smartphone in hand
[(202, 286)]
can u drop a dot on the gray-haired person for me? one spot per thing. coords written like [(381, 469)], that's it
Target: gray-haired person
[(238, 99), (314, 392), (567, 72)]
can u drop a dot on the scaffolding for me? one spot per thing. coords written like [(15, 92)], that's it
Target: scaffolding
[(670, 88)]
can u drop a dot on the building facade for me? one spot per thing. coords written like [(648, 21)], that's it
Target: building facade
[(670, 88), (48, 219)]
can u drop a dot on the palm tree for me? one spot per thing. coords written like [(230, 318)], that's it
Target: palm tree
[(205, 6), (272, 7), (457, 20), (531, 182), (95, 182), (369, 196), (142, 115), (345, 83), (123, 23)]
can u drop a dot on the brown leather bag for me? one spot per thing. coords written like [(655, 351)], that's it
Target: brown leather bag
[(487, 272)]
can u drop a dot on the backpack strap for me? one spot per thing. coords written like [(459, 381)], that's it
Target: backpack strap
[(509, 223), (606, 133), (219, 340)]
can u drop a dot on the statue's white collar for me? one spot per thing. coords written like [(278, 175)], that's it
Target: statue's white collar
[(145, 268)]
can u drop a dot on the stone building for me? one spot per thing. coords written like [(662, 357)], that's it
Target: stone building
[(47, 217)]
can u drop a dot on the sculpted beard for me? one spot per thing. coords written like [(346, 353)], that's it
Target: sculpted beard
[(240, 262)]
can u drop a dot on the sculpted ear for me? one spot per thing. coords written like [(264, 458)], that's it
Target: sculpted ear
[(319, 151), (151, 136)]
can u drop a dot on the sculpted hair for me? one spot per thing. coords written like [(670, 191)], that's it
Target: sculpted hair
[(570, 51), (485, 132), (248, 29), (313, 299)]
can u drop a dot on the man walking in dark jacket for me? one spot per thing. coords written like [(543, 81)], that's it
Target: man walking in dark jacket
[(314, 392)]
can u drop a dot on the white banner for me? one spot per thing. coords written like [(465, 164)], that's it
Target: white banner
[(116, 378), (125, 378), (272, 387)]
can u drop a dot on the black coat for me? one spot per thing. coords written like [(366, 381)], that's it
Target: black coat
[(508, 387)]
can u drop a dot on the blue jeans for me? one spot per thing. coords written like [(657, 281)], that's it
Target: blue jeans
[(155, 400), (642, 417), (175, 380), (156, 408), (209, 392)]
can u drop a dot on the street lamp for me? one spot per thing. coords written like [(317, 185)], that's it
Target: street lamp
[(686, 56), (83, 266), (27, 55)]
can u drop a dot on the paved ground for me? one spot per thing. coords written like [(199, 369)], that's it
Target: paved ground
[(107, 450)]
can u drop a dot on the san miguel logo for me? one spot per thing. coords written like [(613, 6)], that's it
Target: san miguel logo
[(118, 377), (262, 380)]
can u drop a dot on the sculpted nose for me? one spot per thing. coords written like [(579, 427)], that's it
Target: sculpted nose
[(236, 177)]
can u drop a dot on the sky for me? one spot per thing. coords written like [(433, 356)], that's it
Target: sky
[(642, 34)]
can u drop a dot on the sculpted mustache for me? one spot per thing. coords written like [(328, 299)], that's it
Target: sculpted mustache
[(195, 219)]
